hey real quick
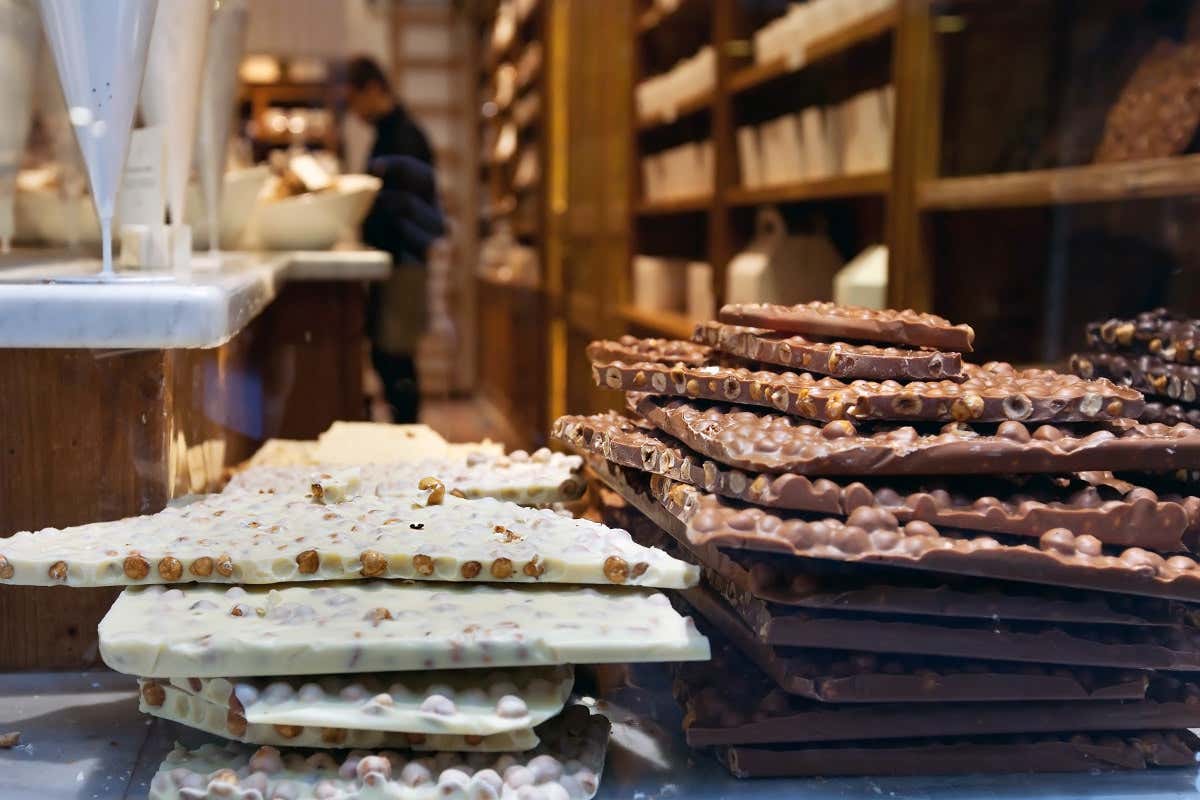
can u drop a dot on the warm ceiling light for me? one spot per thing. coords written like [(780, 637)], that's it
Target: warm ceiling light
[(260, 69)]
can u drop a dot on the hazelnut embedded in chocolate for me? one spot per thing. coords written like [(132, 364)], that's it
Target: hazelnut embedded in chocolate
[(502, 568), (616, 569), (136, 567), (6, 569), (202, 567), (308, 562), (373, 562), (225, 565), (436, 489), (170, 569), (423, 564), (58, 571), (471, 569), (153, 694)]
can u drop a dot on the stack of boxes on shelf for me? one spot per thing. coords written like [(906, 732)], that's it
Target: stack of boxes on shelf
[(408, 606), (851, 138), (683, 172), (675, 285), (1157, 353), (659, 97), (788, 38), (912, 564)]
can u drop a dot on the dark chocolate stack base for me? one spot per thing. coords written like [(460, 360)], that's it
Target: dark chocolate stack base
[(912, 564), (1157, 353)]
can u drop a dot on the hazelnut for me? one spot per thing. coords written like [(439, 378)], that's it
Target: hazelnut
[(639, 569), (6, 569), (225, 776), (288, 731), (459, 493), (308, 562), (225, 565), (154, 694), (58, 571), (693, 387), (373, 563), (136, 567), (473, 739), (779, 397), (202, 567), (235, 722), (534, 568), (612, 378), (423, 564), (471, 569), (967, 407), (616, 569), (906, 404), (415, 738), (378, 615), (1060, 540), (334, 736), (436, 489), (639, 379), (502, 568), (170, 569)]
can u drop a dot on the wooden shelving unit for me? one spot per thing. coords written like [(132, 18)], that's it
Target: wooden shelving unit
[(681, 205), (865, 185), (690, 106)]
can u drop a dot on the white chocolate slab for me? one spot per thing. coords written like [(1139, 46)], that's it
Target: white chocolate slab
[(180, 705), (538, 479), (380, 626), (285, 453), (566, 766), (256, 538), (463, 701), (373, 442)]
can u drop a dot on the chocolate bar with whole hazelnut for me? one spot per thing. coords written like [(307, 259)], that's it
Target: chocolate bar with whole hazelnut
[(969, 755), (769, 442), (753, 711), (1149, 374), (1087, 645), (874, 536), (831, 586), (841, 676), (822, 318), (1169, 414), (1115, 512), (1159, 333), (659, 351), (839, 359), (567, 763), (994, 392)]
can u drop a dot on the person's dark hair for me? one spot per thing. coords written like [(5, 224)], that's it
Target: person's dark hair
[(363, 70)]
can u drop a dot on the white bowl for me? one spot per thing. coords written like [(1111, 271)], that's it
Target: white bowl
[(316, 221), (238, 198)]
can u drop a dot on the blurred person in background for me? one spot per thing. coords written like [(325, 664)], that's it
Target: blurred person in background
[(404, 221)]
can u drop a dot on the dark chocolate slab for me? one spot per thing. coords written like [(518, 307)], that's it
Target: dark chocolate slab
[(1159, 333), (1078, 753), (993, 392), (873, 536), (837, 676), (768, 442), (853, 322), (1149, 374), (1169, 413), (1117, 513), (661, 351), (839, 359)]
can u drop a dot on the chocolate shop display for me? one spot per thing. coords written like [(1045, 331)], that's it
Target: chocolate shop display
[(405, 606), (912, 564)]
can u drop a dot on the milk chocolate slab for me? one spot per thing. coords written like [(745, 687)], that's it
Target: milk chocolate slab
[(1119, 513), (1048, 754), (225, 718), (1149, 374), (660, 351), (769, 442), (853, 322), (331, 533), (993, 392), (1037, 642), (839, 359), (840, 676), (837, 587), (1170, 413), (873, 536), (207, 631), (1159, 333), (540, 478), (467, 702), (753, 711), (568, 763)]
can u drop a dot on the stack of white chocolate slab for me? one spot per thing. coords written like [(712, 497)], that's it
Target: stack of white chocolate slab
[(374, 606)]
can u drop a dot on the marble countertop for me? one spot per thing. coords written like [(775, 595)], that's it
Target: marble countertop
[(46, 300)]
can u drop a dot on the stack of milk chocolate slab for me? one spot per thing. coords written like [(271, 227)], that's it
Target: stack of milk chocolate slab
[(1157, 353), (912, 564), (394, 607)]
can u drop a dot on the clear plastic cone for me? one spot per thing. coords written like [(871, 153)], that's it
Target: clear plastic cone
[(100, 49)]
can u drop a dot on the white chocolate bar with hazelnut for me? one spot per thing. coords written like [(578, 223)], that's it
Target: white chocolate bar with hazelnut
[(258, 538), (170, 702), (209, 631), (538, 479), (285, 453), (462, 701), (373, 442), (567, 765)]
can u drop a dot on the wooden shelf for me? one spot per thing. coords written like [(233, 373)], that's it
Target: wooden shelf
[(865, 185), (690, 106), (865, 30), (670, 324), (682, 205), (1094, 183)]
